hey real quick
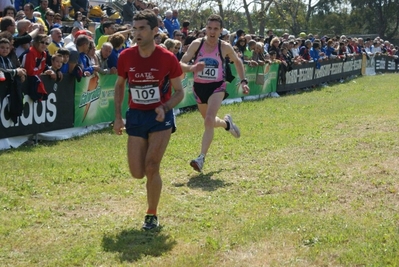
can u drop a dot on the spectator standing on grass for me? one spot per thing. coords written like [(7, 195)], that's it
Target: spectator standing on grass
[(149, 119)]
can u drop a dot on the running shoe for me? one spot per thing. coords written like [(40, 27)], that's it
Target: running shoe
[(198, 163), (233, 128), (150, 222)]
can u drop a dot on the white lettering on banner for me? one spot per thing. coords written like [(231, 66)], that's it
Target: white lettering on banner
[(348, 66), (291, 76), (391, 65), (380, 64), (48, 114), (324, 71), (336, 68), (305, 74)]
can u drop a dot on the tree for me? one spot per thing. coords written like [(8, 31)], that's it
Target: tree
[(383, 15)]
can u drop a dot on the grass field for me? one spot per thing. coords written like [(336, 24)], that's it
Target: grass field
[(313, 181)]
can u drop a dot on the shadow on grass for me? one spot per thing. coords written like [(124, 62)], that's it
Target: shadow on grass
[(132, 245), (205, 182)]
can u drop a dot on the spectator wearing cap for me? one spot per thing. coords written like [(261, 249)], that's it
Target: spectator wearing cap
[(155, 9), (225, 35), (185, 29), (128, 11), (56, 41)]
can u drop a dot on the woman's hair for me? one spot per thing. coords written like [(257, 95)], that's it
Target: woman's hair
[(169, 43), (117, 40), (77, 15), (40, 37), (9, 8)]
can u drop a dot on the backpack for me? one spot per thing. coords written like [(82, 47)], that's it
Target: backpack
[(227, 69)]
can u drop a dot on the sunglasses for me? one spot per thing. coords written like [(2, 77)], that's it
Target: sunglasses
[(46, 43)]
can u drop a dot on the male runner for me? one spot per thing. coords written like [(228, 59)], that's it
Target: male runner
[(150, 116)]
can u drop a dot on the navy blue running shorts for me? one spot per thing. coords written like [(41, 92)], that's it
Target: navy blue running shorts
[(141, 123)]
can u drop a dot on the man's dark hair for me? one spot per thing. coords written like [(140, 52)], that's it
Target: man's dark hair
[(6, 22), (186, 23), (147, 15), (216, 18), (31, 6), (82, 40), (108, 24), (63, 51)]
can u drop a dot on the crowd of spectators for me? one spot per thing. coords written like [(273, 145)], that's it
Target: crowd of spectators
[(33, 43)]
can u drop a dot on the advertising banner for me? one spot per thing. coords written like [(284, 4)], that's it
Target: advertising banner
[(41, 116), (94, 100)]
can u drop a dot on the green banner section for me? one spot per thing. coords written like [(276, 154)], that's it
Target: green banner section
[(94, 100), (94, 95), (261, 80)]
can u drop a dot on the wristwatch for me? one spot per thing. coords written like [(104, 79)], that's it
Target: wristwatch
[(245, 80)]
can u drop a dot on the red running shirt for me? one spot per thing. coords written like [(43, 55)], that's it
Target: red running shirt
[(148, 78)]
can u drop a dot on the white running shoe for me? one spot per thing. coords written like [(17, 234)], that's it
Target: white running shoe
[(233, 128), (198, 163)]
